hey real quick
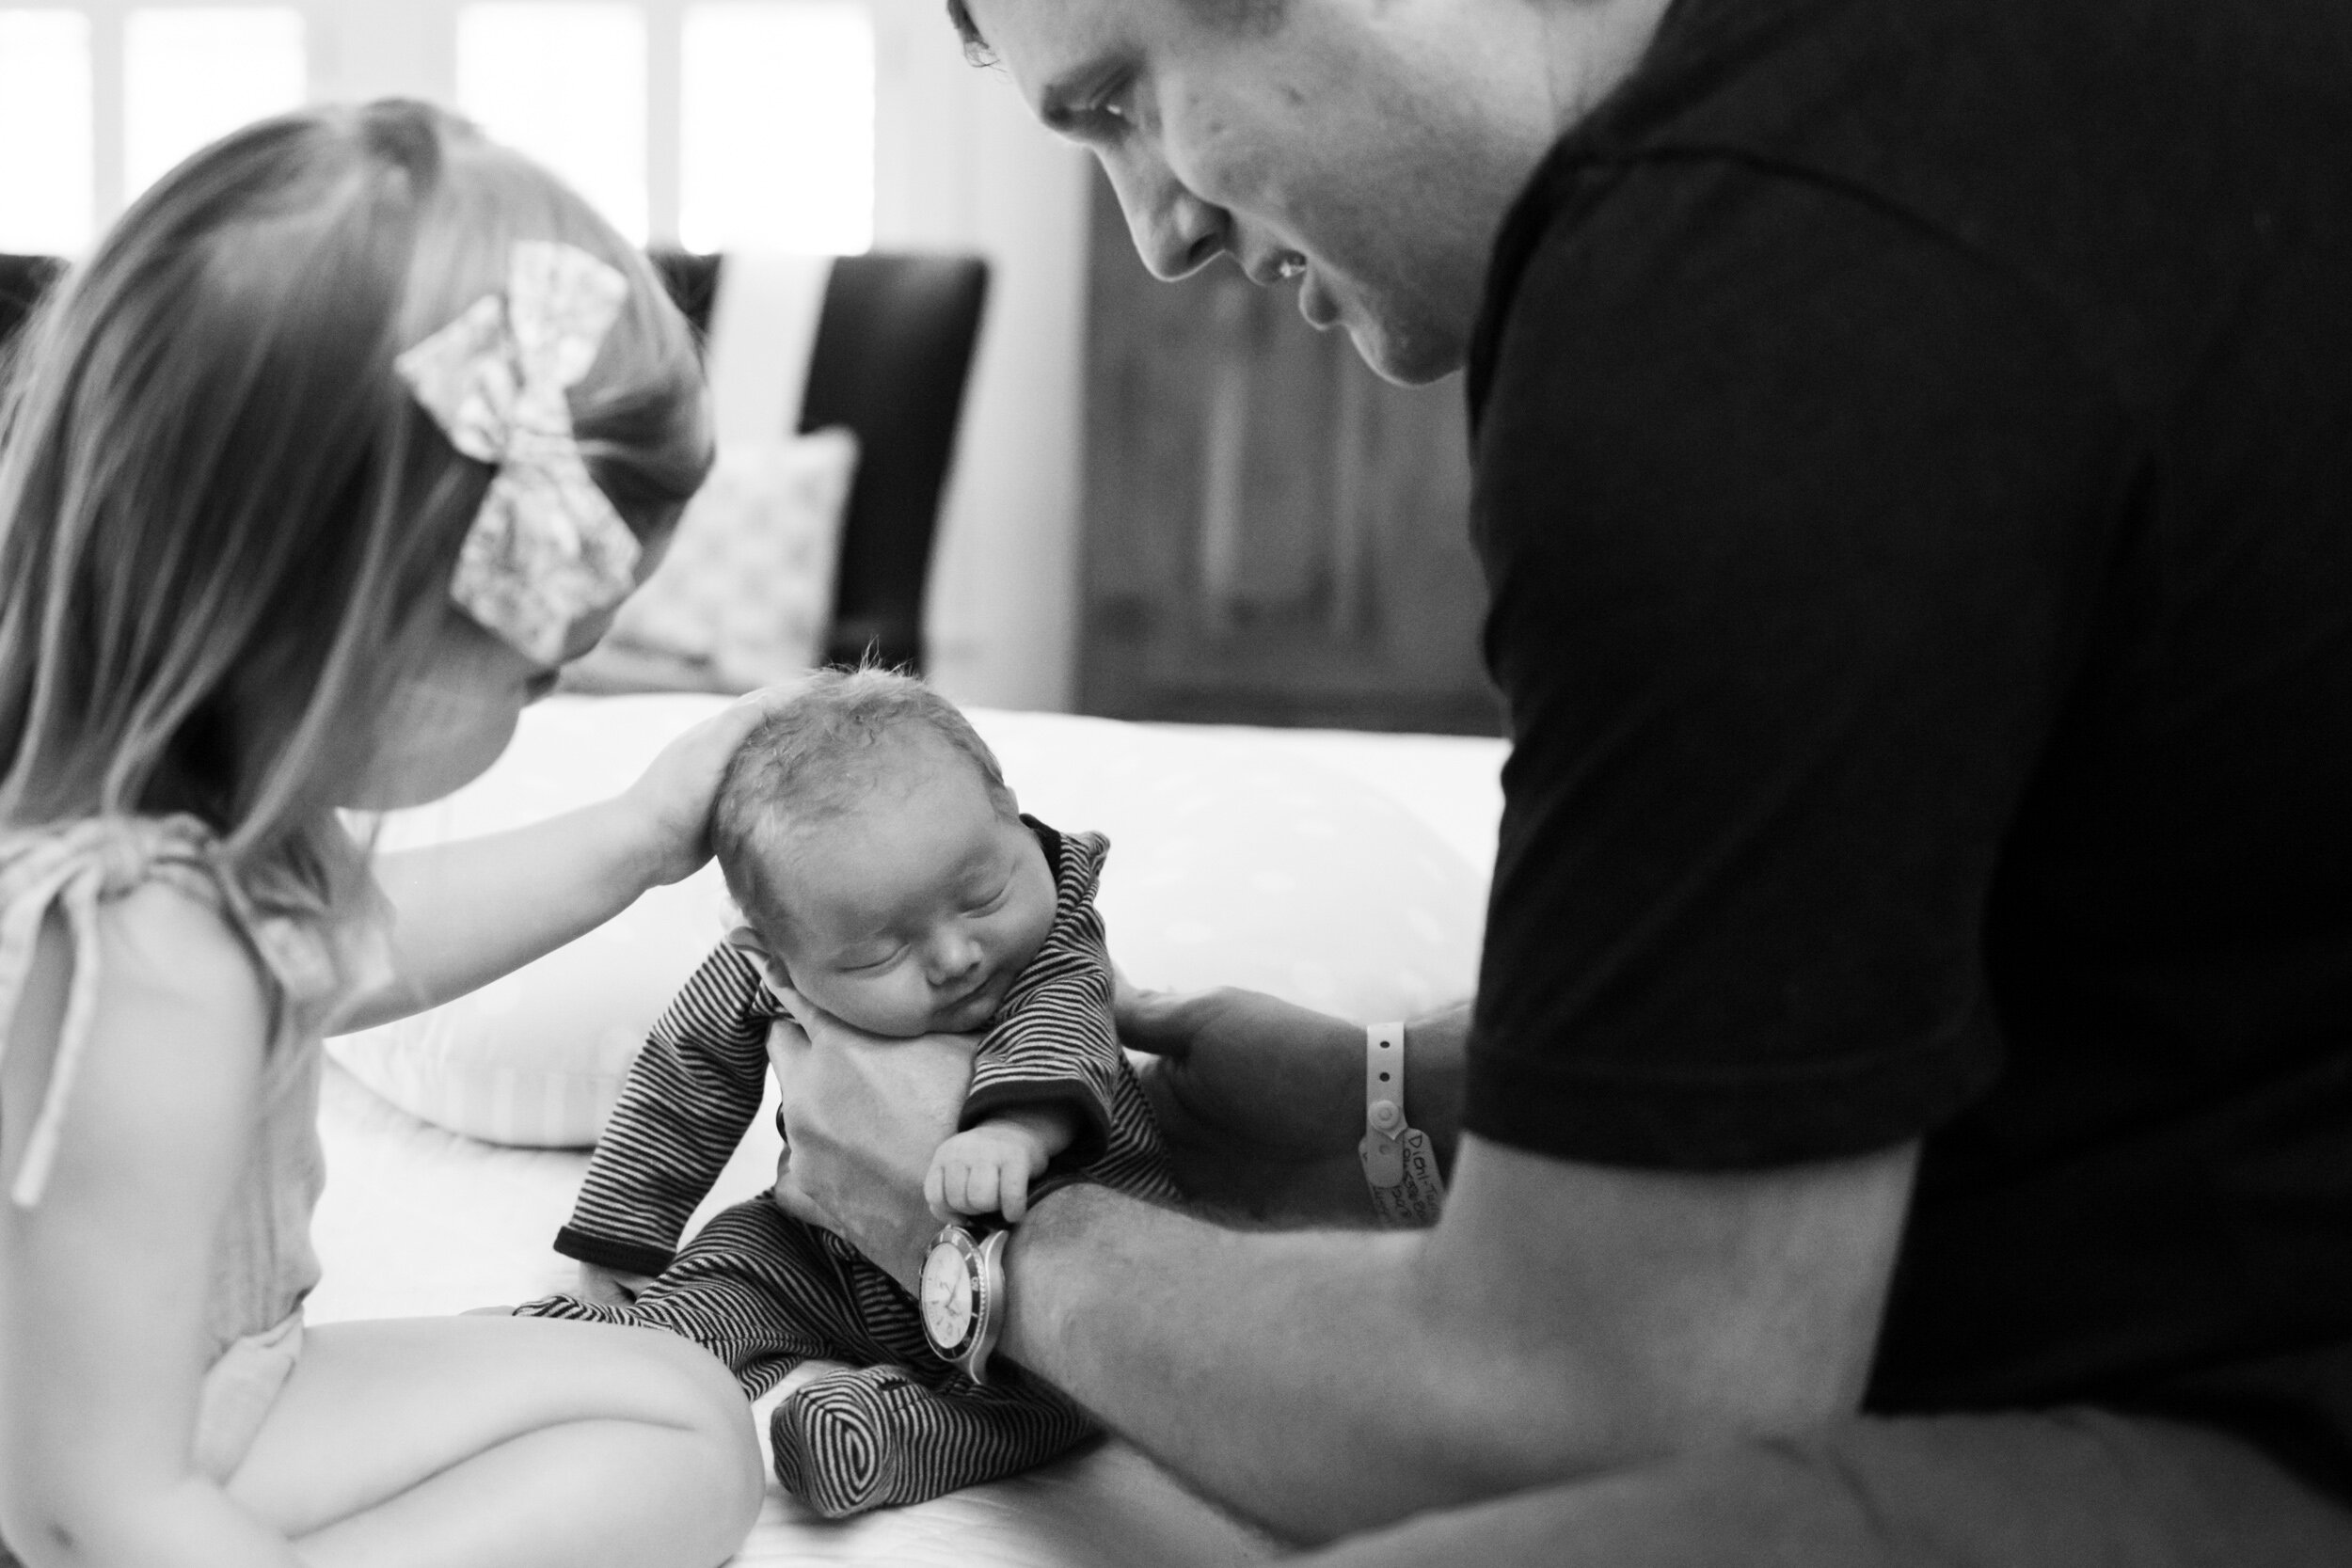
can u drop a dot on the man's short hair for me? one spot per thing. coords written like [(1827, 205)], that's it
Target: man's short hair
[(820, 755)]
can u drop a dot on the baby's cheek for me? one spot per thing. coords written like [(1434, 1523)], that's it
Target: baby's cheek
[(885, 1006)]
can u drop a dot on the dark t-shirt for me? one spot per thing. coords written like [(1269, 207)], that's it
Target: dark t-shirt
[(1914, 477)]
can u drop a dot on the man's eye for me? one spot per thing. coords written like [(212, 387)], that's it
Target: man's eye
[(1114, 107)]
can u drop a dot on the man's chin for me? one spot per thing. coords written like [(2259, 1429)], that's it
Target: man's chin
[(1405, 358)]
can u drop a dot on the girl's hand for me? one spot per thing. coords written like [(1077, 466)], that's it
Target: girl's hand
[(670, 804)]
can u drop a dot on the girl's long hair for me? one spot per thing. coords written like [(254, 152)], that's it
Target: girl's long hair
[(227, 531)]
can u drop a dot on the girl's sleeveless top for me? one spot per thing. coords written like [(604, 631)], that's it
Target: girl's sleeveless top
[(264, 1265)]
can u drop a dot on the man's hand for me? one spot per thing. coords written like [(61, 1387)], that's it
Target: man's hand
[(863, 1114), (670, 803), (1260, 1102), (603, 1286)]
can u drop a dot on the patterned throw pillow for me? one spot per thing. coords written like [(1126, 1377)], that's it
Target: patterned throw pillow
[(747, 587)]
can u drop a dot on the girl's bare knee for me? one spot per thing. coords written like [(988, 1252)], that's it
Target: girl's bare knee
[(712, 1407)]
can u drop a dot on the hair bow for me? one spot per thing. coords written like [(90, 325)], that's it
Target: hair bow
[(546, 548)]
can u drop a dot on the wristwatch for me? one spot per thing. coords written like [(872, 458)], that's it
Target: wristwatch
[(964, 1297)]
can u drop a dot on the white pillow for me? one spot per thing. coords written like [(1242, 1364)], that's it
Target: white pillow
[(747, 586), (1233, 862), (536, 1058)]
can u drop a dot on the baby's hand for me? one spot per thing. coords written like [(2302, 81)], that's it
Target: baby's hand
[(986, 1170), (604, 1287)]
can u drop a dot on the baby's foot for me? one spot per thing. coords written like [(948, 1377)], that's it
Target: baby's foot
[(837, 1441), (878, 1438)]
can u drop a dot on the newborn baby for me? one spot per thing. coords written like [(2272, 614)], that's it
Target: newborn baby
[(887, 875)]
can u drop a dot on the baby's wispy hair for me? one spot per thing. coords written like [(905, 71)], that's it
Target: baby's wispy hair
[(820, 755)]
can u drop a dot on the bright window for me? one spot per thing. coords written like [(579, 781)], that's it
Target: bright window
[(191, 75), (47, 188), (777, 133), (717, 123), (564, 83)]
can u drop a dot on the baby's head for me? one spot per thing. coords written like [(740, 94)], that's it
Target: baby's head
[(868, 834)]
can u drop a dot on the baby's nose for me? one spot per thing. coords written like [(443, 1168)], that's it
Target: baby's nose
[(956, 956)]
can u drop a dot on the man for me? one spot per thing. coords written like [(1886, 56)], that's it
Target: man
[(1907, 1114)]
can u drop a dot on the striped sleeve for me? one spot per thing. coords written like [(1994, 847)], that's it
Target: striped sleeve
[(693, 1090), (1054, 1041)]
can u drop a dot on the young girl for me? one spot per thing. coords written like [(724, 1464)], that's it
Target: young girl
[(352, 431)]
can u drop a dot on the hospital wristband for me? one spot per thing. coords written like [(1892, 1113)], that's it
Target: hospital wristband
[(1399, 1167)]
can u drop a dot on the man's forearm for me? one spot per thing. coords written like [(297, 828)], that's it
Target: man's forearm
[(1348, 1408), (1559, 1319)]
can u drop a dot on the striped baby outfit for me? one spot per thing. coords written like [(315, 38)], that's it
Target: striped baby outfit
[(766, 1291)]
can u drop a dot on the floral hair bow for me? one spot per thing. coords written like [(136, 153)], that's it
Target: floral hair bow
[(546, 548)]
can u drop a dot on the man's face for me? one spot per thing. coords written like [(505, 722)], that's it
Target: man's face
[(1368, 147)]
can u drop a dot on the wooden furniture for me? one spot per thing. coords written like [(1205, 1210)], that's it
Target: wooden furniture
[(1273, 534)]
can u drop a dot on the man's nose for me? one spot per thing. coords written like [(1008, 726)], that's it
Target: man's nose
[(1175, 231)]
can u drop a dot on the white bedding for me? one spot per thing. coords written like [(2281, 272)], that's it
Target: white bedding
[(420, 1221)]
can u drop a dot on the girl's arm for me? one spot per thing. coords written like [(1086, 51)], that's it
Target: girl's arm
[(463, 914), (103, 1283)]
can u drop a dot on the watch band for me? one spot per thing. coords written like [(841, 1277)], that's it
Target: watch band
[(991, 1305), (1399, 1167)]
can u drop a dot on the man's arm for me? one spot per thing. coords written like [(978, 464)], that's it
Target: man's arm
[(1561, 1318), (1260, 1102), (1335, 1381)]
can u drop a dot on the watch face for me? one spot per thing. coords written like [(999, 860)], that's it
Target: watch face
[(948, 1296)]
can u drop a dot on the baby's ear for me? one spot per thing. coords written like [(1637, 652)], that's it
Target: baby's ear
[(743, 939)]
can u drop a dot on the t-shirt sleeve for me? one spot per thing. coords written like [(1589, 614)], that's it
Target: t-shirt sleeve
[(1793, 513)]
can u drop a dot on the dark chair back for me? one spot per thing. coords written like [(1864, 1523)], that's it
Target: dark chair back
[(893, 347)]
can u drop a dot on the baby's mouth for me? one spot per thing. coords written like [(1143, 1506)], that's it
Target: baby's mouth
[(977, 992)]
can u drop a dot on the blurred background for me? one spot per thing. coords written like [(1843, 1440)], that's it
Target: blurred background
[(1166, 502)]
